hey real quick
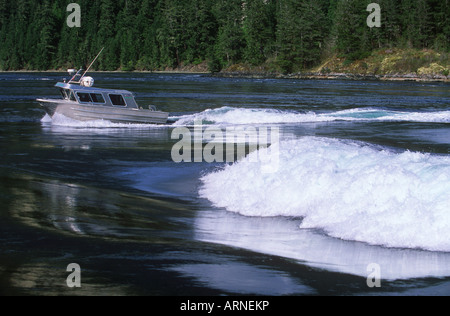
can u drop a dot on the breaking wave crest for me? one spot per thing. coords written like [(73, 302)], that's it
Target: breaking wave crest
[(349, 190)]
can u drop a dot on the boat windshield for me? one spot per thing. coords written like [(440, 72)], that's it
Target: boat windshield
[(64, 94), (72, 96), (67, 94)]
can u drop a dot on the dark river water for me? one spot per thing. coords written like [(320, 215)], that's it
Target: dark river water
[(342, 188)]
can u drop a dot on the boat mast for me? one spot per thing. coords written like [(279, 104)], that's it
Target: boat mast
[(77, 74), (92, 64)]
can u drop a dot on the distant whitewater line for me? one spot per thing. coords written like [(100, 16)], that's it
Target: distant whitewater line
[(230, 115)]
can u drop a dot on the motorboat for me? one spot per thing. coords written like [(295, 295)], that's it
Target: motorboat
[(81, 101)]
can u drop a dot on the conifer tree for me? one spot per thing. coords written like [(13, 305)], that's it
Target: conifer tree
[(230, 38), (300, 34), (156, 34), (351, 28), (127, 35), (47, 43), (440, 13), (106, 36), (416, 23), (390, 24), (259, 30), (147, 22)]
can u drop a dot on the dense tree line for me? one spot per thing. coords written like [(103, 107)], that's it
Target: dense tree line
[(156, 34)]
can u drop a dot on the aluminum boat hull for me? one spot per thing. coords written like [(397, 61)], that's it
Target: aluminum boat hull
[(89, 112)]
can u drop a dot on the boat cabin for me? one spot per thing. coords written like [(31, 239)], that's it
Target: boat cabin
[(97, 97)]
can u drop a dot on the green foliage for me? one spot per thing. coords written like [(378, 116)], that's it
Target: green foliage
[(300, 34), (230, 42), (415, 19), (259, 27), (351, 29), (289, 35)]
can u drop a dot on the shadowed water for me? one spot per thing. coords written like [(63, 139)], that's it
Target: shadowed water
[(110, 198)]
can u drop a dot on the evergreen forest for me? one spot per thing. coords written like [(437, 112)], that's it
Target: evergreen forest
[(290, 35)]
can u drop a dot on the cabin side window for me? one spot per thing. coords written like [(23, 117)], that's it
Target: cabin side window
[(97, 98), (117, 99), (84, 97)]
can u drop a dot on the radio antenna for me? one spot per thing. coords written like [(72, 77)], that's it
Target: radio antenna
[(92, 64)]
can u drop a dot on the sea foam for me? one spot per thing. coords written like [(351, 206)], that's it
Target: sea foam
[(231, 115), (349, 190)]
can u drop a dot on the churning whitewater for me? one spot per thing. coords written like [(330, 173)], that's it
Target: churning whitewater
[(349, 190)]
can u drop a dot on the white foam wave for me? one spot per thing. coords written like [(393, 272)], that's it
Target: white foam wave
[(46, 119), (349, 190), (230, 115), (387, 115)]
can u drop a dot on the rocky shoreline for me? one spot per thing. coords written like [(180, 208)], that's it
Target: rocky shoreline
[(413, 77), (335, 76)]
